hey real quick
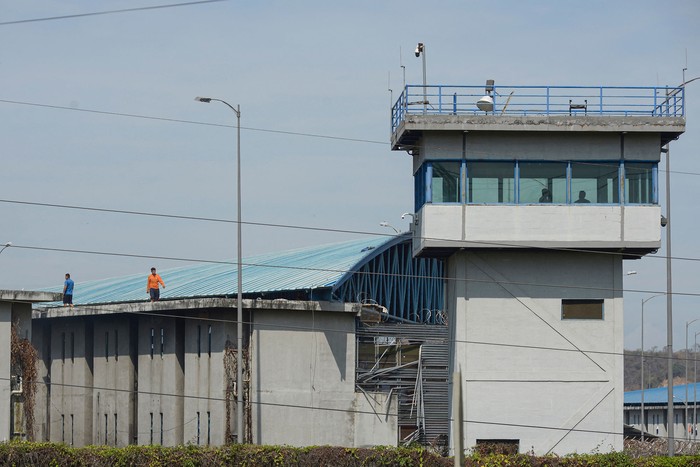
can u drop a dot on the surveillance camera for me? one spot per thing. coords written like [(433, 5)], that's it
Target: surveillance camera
[(419, 49), (664, 221)]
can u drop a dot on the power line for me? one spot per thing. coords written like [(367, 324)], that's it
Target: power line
[(293, 133), (108, 12), (193, 122), (335, 230), (304, 407), (343, 271), (290, 327)]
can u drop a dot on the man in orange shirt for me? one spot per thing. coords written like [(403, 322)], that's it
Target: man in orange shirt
[(152, 285)]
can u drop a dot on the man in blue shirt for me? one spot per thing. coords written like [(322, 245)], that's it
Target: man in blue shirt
[(68, 291)]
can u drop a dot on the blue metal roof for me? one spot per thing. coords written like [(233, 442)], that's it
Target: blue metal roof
[(323, 266), (660, 395)]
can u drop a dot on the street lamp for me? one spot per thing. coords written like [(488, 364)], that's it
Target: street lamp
[(389, 226), (420, 52), (687, 324), (239, 300), (695, 384), (7, 245), (642, 393)]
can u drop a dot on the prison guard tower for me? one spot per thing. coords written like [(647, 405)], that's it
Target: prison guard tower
[(535, 195)]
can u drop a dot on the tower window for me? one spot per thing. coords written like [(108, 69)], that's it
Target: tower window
[(445, 186), (599, 182), (582, 309), (639, 183), (542, 182), (491, 182)]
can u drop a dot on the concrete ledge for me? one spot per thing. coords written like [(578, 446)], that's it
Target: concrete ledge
[(194, 304), (29, 296), (669, 127)]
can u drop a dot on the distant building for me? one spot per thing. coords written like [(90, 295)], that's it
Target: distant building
[(15, 312), (534, 195), (342, 342), (685, 426)]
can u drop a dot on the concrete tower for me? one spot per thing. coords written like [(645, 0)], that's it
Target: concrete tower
[(535, 195)]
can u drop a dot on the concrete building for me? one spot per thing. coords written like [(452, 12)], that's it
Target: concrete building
[(15, 312), (655, 412), (534, 196), (323, 363)]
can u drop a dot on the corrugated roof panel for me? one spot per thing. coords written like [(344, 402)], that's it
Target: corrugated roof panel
[(300, 269), (660, 395)]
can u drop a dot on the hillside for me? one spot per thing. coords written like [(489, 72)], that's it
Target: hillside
[(655, 368)]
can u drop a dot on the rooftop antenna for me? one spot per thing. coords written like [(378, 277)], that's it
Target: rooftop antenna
[(686, 63), (403, 67), (391, 92), (388, 82)]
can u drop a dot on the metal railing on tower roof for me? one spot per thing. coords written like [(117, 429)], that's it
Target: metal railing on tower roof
[(610, 101)]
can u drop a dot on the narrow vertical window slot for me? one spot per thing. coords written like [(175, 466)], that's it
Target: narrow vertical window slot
[(209, 345), (208, 428)]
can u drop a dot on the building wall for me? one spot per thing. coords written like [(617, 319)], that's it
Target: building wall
[(506, 312), (205, 384), (655, 420), (70, 414), (114, 376), (541, 145), (303, 383), (302, 378), (5, 339), (161, 364), (573, 226), (15, 310)]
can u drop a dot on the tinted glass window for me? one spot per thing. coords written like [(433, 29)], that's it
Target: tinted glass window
[(639, 183), (445, 182), (542, 182), (595, 182), (491, 182)]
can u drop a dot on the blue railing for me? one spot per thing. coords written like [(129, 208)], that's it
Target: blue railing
[(658, 101)]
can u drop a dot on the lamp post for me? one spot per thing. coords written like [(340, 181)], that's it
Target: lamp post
[(642, 393), (669, 305), (420, 52), (687, 324), (239, 300), (695, 384), (669, 281)]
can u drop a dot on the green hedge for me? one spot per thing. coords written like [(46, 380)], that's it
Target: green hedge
[(59, 455)]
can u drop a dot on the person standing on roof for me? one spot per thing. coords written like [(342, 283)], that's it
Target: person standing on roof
[(68, 291), (152, 285)]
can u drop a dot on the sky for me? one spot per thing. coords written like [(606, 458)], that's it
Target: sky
[(98, 111)]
